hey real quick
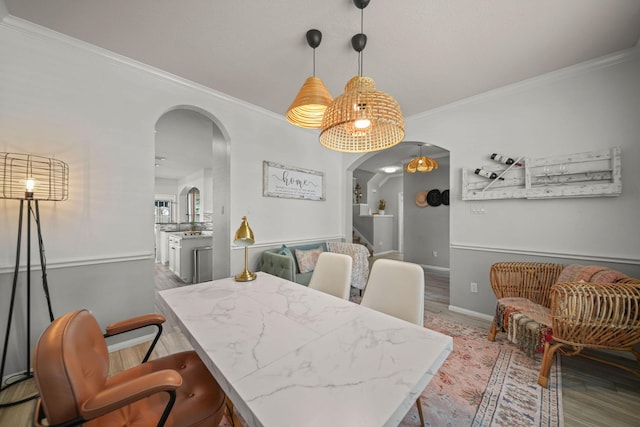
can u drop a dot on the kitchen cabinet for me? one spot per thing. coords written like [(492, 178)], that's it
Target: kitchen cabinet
[(174, 254), (164, 245), (181, 257)]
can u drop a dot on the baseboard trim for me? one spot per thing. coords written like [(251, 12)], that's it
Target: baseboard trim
[(435, 267), (130, 343), (385, 252), (470, 313)]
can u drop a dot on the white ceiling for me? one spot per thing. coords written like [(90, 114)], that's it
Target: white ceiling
[(425, 53)]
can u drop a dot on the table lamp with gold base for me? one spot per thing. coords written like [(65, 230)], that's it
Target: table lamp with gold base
[(244, 237)]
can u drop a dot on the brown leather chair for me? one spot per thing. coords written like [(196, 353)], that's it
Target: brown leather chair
[(71, 366)]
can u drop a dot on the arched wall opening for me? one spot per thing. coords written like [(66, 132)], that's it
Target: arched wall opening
[(192, 135), (423, 231)]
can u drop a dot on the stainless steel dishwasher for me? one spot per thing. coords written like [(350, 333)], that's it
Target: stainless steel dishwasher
[(202, 264)]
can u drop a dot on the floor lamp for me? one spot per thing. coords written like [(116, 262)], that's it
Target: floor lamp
[(29, 178)]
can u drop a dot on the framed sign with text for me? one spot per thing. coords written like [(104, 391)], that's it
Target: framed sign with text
[(291, 182)]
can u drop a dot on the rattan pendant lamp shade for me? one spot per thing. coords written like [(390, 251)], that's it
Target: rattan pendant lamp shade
[(361, 100), (362, 119), (308, 107)]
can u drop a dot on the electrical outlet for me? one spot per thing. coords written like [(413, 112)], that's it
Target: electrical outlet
[(474, 287), (435, 254), (478, 210)]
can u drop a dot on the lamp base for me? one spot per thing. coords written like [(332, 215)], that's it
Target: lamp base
[(245, 276)]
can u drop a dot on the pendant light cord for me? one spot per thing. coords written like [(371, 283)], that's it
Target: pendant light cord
[(314, 62), (360, 62)]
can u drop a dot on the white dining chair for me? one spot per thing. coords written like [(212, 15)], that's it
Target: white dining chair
[(332, 274), (397, 289)]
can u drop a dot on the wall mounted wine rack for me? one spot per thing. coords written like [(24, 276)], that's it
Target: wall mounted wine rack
[(590, 174)]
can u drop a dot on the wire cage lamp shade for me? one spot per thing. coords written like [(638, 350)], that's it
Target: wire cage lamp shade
[(29, 178), (362, 101), (25, 176)]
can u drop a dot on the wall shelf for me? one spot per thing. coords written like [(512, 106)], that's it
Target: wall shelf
[(590, 174)]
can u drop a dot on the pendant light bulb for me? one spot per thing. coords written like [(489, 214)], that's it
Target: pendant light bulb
[(362, 123)]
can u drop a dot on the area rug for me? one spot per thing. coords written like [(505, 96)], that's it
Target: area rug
[(485, 383)]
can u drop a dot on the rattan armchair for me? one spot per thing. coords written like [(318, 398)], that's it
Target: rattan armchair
[(603, 316), (564, 317)]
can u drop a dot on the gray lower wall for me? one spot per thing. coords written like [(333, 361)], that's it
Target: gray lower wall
[(104, 289), (467, 262), (426, 229)]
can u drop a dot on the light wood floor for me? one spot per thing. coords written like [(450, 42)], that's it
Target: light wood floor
[(594, 394)]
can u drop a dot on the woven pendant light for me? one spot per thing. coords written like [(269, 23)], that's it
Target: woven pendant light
[(312, 100), (309, 106), (362, 119), (421, 164), (362, 101)]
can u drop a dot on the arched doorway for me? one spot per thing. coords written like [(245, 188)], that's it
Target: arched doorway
[(191, 151), (418, 224)]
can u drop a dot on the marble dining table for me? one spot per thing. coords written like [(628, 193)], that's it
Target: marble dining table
[(287, 355)]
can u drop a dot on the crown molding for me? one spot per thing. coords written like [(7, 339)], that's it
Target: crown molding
[(553, 76), (3, 10), (43, 33)]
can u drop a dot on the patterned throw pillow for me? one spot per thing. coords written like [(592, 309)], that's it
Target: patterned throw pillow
[(307, 259)]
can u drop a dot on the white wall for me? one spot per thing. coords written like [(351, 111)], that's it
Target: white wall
[(97, 111), (388, 190), (587, 107), (166, 186)]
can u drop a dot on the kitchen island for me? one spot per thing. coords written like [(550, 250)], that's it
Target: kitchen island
[(181, 253)]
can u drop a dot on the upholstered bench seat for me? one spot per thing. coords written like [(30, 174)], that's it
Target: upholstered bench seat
[(285, 261), (525, 323)]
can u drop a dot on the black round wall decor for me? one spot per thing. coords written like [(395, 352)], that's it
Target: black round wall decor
[(445, 197), (434, 198)]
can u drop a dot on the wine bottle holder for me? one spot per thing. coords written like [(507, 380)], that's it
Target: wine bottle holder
[(590, 174)]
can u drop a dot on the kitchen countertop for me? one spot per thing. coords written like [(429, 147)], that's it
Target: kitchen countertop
[(182, 235)]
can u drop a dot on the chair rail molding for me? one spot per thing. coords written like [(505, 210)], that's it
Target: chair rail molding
[(555, 254), (79, 262)]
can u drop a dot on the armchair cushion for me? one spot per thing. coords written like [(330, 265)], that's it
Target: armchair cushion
[(71, 366), (526, 323), (589, 273)]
